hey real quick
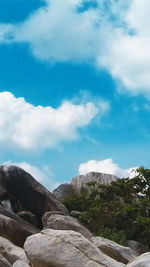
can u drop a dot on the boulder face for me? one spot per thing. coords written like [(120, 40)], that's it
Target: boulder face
[(64, 192), (64, 222), (66, 249), (14, 228), (142, 261), (80, 182), (9, 253), (114, 250), (25, 193)]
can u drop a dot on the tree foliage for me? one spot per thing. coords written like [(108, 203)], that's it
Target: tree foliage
[(120, 207)]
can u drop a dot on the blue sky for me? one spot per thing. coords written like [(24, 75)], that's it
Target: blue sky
[(74, 86)]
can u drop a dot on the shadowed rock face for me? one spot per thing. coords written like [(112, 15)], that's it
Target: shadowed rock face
[(80, 182), (64, 191), (15, 228), (25, 193)]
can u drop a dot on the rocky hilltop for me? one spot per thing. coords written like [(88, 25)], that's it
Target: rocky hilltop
[(37, 230), (79, 183)]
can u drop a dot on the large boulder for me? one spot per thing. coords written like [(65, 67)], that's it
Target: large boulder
[(26, 193), (142, 261), (64, 192), (14, 228), (66, 249), (47, 215), (114, 250), (80, 182), (9, 253), (64, 222)]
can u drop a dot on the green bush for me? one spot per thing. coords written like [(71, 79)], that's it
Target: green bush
[(121, 208), (113, 234)]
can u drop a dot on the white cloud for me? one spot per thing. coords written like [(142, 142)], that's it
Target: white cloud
[(42, 174), (106, 166), (114, 35), (28, 127)]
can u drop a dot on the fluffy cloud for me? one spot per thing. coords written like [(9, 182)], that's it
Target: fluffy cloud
[(112, 34), (42, 174), (28, 127), (106, 166)]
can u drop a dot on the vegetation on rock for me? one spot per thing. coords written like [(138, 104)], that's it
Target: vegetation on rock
[(119, 211)]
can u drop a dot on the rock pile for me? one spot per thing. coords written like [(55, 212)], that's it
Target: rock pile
[(26, 207)]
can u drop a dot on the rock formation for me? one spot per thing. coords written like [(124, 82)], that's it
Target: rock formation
[(64, 191), (9, 253), (80, 182), (64, 222), (25, 193), (114, 250), (25, 204), (59, 248)]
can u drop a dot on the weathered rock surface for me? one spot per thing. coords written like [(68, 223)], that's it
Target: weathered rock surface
[(64, 191), (141, 261), (138, 247), (20, 264), (9, 253), (28, 216), (66, 249), (25, 193), (63, 222), (114, 250), (14, 228), (47, 215), (80, 182)]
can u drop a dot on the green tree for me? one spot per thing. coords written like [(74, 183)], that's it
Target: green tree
[(122, 207)]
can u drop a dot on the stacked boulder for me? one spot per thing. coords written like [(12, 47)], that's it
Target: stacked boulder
[(37, 230)]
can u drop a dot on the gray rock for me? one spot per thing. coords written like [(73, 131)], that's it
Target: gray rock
[(63, 222), (47, 215), (66, 249), (137, 246), (142, 261), (114, 250), (4, 262), (9, 253), (20, 264), (64, 192), (80, 182), (75, 213), (28, 216), (14, 228), (25, 193)]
